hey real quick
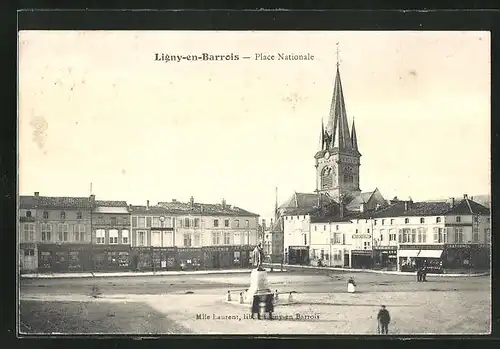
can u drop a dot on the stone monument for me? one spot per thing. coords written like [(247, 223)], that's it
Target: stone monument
[(258, 277)]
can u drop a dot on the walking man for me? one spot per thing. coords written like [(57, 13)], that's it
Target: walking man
[(383, 319)]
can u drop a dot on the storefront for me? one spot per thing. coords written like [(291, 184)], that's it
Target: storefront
[(413, 257), (64, 258), (223, 257), (361, 259), (111, 257), (466, 256), (385, 257), (190, 258), (297, 255)]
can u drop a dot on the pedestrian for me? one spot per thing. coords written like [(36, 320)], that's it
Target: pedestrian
[(383, 319), (424, 273), (419, 274)]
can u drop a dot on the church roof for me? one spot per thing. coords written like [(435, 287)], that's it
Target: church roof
[(337, 123), (301, 200)]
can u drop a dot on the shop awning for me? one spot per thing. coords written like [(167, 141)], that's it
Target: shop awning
[(430, 253), (408, 253)]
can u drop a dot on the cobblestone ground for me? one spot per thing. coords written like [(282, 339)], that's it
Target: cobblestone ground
[(321, 306)]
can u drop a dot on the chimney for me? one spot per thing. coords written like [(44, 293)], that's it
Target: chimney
[(452, 202), (465, 196), (174, 200), (147, 204), (406, 205), (130, 206), (223, 203), (92, 201), (472, 198), (37, 196), (341, 211), (191, 201)]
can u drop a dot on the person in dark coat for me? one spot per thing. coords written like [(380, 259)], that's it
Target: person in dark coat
[(419, 274), (383, 319)]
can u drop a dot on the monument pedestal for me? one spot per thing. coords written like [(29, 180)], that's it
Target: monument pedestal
[(259, 295)]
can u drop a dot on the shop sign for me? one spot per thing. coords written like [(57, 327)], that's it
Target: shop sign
[(464, 245), (389, 248), (304, 248), (361, 236), (216, 249), (420, 247), (362, 252), (195, 249)]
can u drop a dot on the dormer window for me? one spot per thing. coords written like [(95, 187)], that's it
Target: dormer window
[(63, 215), (78, 215), (458, 219), (28, 214)]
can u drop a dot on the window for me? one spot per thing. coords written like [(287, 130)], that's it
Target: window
[(125, 236), (45, 215), (65, 232), (63, 215), (392, 221), (78, 215), (186, 222), (156, 222), (46, 232), (407, 220), (324, 227), (337, 227), (392, 235), (421, 235), (305, 239), (337, 255), (227, 238), (237, 223), (356, 231), (156, 238), (29, 252), (458, 219), (366, 220), (459, 235), (28, 214), (438, 235), (383, 221), (215, 238), (148, 222), (179, 222), (216, 223), (247, 224), (142, 222), (100, 235), (413, 235), (315, 228), (113, 236), (196, 223), (226, 223), (438, 219), (475, 235), (298, 217), (237, 239), (375, 222), (406, 235), (338, 238), (29, 232), (366, 244), (487, 235), (113, 221), (422, 220), (197, 239), (134, 222), (141, 238), (125, 220), (76, 232), (368, 231)]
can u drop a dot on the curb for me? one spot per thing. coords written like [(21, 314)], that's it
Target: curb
[(290, 267), (131, 274)]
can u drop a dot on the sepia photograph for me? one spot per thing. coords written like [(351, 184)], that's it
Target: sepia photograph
[(254, 183)]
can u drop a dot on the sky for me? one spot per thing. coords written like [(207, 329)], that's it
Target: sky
[(96, 107)]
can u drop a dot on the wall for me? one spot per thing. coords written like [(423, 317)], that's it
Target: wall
[(295, 227)]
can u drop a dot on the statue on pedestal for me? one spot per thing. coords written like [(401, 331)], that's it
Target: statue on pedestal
[(258, 257)]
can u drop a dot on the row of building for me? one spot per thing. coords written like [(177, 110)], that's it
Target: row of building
[(82, 233), (396, 235)]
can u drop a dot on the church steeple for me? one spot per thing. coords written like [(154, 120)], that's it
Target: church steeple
[(337, 126), (354, 138)]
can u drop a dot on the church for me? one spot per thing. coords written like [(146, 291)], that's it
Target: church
[(338, 194)]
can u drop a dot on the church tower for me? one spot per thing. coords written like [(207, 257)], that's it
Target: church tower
[(338, 160)]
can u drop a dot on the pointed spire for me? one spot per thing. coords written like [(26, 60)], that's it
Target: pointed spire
[(322, 136), (354, 138), (337, 126)]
